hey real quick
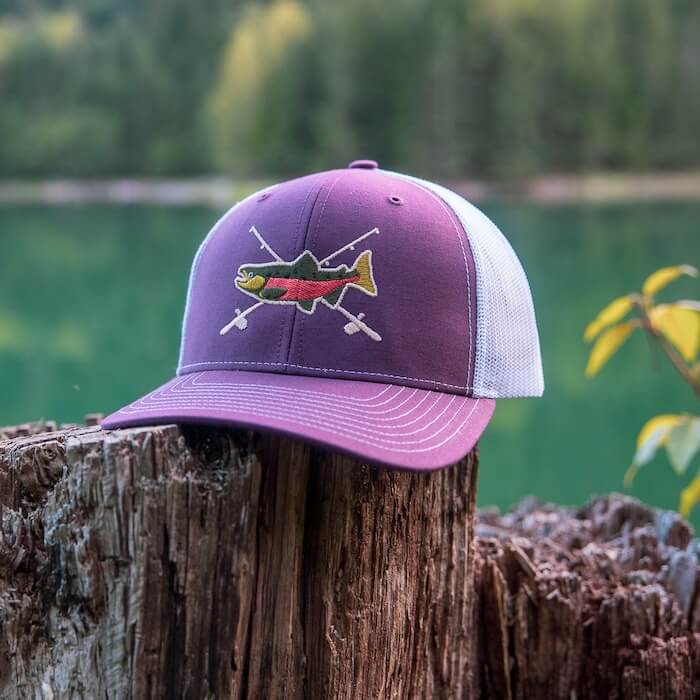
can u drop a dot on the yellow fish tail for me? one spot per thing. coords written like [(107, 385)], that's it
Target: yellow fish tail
[(363, 267)]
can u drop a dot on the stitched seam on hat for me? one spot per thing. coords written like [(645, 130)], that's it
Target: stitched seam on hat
[(193, 273), (322, 396), (298, 251), (359, 404), (456, 227), (300, 332), (317, 191), (184, 396), (197, 259), (194, 376), (335, 429), (329, 419), (329, 412), (326, 369), (380, 444), (326, 401), (471, 290)]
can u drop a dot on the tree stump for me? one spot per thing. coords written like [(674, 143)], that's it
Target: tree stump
[(170, 562), (595, 602), (199, 563)]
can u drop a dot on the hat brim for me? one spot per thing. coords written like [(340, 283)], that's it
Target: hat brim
[(385, 424)]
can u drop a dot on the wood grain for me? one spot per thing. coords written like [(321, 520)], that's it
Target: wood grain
[(200, 563), (162, 562)]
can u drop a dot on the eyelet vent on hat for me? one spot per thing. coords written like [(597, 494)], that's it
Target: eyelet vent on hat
[(507, 361)]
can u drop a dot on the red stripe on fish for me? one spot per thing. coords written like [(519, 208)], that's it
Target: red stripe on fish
[(306, 290)]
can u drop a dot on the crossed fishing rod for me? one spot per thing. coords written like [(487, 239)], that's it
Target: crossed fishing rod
[(240, 321)]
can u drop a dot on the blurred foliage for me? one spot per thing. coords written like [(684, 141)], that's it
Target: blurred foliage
[(674, 328), (244, 110), (107, 87), (502, 88)]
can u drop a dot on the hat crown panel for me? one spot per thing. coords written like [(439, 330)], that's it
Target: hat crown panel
[(418, 328), (507, 353)]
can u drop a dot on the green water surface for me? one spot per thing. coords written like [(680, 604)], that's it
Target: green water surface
[(91, 300)]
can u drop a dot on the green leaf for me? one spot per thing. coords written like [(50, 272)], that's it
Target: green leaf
[(683, 444)]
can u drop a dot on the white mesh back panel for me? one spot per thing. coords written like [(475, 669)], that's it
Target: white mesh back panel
[(507, 362)]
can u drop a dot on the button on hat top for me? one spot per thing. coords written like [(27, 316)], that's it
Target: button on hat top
[(364, 164), (326, 312)]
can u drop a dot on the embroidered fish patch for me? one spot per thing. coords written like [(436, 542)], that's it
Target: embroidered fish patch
[(303, 282), (306, 282)]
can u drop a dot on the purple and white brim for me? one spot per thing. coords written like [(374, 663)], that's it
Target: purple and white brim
[(396, 426)]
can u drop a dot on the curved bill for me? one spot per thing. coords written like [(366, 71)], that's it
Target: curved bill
[(394, 426)]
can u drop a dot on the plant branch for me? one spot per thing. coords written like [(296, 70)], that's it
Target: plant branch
[(668, 349)]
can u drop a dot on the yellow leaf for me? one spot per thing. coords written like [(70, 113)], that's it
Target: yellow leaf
[(680, 325), (688, 304), (654, 434), (612, 313), (659, 279), (607, 344), (629, 475), (683, 444), (690, 496), (665, 421)]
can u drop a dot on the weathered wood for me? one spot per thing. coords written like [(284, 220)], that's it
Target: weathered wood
[(13, 431), (199, 563), (161, 562), (117, 569), (600, 602)]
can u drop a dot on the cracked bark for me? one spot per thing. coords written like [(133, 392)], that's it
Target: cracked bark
[(595, 602), (160, 562), (171, 563)]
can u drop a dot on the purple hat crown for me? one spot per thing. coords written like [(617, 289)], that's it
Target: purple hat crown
[(299, 238), (357, 308)]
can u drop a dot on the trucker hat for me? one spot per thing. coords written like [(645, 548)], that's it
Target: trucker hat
[(358, 309)]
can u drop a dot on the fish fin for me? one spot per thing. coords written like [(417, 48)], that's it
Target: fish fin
[(272, 293), (307, 306), (363, 267), (306, 265), (334, 297)]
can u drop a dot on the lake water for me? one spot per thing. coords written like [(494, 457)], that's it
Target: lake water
[(91, 300)]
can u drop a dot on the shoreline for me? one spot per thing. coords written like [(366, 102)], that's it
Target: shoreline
[(594, 188)]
